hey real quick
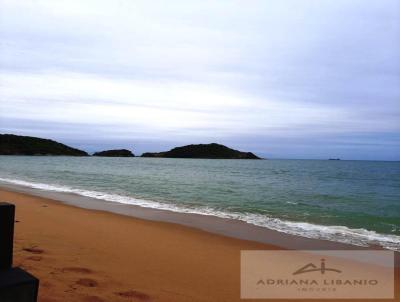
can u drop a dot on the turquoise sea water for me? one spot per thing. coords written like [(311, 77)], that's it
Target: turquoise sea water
[(347, 201)]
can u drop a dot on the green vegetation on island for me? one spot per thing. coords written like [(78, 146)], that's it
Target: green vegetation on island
[(213, 151), (27, 145), (115, 153), (11, 144)]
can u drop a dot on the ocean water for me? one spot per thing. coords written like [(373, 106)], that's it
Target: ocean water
[(355, 202)]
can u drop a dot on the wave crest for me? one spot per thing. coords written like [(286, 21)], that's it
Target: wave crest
[(343, 234)]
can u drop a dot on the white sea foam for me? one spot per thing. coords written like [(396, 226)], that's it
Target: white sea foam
[(343, 234)]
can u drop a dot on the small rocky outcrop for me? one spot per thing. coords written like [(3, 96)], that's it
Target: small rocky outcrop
[(115, 153)]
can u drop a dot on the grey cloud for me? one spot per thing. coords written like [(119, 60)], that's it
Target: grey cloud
[(329, 55)]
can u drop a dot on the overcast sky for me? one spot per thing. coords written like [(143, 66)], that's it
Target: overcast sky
[(281, 78)]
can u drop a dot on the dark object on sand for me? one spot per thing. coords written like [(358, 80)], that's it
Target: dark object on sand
[(16, 285), (27, 145), (7, 212), (115, 153), (215, 151)]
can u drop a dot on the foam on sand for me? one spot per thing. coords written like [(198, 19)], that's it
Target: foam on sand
[(343, 234)]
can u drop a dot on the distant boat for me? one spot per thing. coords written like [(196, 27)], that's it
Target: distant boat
[(334, 159)]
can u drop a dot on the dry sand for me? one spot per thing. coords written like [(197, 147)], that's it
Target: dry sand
[(94, 256)]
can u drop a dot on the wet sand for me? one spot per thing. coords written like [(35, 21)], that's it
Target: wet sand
[(91, 255)]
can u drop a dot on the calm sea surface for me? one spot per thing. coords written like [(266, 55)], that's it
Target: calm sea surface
[(347, 201)]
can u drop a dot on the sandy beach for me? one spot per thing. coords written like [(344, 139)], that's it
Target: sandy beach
[(199, 151), (94, 256)]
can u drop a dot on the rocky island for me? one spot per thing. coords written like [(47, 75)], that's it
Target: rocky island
[(115, 153), (27, 145), (212, 151)]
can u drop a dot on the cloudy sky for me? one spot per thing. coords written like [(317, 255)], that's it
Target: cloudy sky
[(281, 78)]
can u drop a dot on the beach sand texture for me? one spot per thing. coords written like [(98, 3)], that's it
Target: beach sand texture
[(94, 256)]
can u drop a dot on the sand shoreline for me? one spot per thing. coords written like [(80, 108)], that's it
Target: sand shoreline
[(97, 256), (213, 224), (91, 255)]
